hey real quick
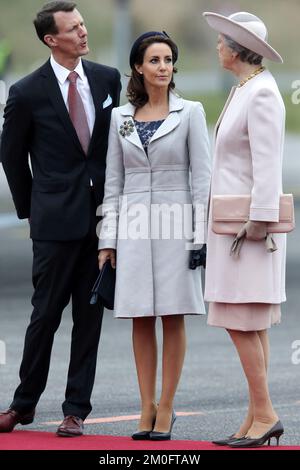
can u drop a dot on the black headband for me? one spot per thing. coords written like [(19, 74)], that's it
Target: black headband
[(140, 39)]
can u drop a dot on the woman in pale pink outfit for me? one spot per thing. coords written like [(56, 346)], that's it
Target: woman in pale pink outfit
[(245, 292)]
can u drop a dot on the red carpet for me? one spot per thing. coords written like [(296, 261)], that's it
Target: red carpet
[(32, 440)]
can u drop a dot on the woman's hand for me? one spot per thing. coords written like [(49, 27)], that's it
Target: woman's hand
[(254, 230), (105, 255), (198, 258)]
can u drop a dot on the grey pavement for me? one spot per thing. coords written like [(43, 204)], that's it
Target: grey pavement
[(212, 383)]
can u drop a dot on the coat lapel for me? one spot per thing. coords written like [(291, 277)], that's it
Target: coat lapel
[(99, 94), (55, 96), (128, 112), (173, 119), (166, 127), (135, 139), (230, 96)]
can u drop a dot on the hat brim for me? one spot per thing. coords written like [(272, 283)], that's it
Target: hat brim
[(242, 35)]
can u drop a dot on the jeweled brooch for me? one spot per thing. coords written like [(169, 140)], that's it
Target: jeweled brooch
[(126, 128)]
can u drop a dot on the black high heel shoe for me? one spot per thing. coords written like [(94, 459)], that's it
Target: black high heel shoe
[(276, 431), (163, 436), (143, 435)]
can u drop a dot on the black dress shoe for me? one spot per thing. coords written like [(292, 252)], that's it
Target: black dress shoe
[(227, 440), (163, 436), (276, 431)]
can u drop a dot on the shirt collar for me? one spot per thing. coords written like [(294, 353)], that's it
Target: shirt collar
[(62, 73)]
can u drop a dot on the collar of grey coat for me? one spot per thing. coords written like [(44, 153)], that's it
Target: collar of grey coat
[(176, 103)]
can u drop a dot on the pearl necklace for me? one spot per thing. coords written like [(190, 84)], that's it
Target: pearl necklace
[(256, 72)]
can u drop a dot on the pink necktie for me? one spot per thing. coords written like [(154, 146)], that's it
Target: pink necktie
[(77, 113)]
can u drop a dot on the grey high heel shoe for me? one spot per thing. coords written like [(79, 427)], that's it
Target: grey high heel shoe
[(227, 441), (276, 431)]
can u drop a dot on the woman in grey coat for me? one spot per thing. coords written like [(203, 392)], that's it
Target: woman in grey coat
[(155, 204)]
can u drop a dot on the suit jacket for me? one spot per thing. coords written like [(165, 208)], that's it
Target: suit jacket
[(55, 192), (248, 160)]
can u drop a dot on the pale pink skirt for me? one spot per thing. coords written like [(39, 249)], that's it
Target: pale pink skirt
[(244, 317)]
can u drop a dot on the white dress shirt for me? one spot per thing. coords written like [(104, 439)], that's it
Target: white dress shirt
[(83, 88)]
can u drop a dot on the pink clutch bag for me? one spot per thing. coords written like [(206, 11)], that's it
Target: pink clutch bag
[(229, 214)]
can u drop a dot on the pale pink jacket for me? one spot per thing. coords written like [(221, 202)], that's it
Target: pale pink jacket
[(248, 160)]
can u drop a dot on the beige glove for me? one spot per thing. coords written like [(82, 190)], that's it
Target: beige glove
[(253, 230)]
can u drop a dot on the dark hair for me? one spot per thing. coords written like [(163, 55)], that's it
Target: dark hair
[(245, 54), (136, 91), (45, 23)]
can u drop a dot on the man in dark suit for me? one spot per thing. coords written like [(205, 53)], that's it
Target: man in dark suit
[(60, 116)]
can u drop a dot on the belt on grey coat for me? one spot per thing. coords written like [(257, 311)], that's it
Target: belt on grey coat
[(159, 178)]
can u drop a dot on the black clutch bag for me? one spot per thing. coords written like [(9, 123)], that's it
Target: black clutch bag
[(104, 287)]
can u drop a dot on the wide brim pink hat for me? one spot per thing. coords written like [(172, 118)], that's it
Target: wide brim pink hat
[(247, 30)]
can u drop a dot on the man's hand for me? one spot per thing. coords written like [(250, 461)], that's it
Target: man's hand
[(105, 255)]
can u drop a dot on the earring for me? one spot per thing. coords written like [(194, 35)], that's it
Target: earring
[(141, 73)]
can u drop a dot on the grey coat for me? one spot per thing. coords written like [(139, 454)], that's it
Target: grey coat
[(155, 210)]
